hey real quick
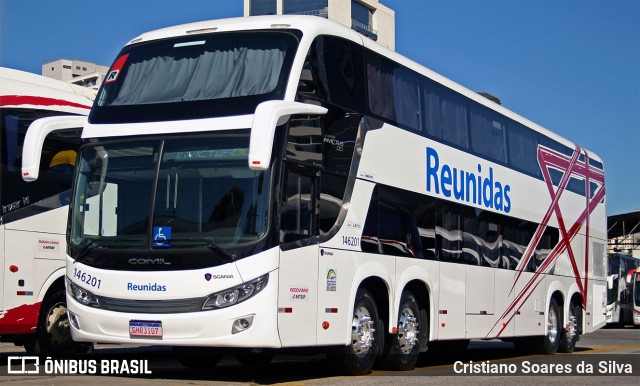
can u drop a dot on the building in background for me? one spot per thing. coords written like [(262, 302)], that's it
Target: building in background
[(624, 233), (369, 17), (76, 72)]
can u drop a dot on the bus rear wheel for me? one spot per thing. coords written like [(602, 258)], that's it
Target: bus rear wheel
[(403, 348), (548, 344), (359, 356), (571, 333)]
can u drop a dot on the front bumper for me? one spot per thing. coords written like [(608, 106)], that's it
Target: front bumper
[(213, 328)]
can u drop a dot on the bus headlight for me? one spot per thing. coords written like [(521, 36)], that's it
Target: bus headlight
[(235, 295), (81, 295)]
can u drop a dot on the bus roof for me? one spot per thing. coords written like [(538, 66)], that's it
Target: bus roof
[(313, 26), (21, 89)]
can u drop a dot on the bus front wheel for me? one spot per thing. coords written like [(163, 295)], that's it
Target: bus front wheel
[(53, 333), (359, 356)]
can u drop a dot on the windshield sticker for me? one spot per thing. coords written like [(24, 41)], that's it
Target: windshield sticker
[(115, 69), (161, 236)]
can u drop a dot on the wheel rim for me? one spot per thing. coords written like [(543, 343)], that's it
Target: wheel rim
[(407, 331), (58, 324), (572, 329), (552, 325), (362, 330)]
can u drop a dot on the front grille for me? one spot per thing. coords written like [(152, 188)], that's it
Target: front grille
[(173, 306)]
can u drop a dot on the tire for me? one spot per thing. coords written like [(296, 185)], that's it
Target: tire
[(53, 334), (255, 357), (359, 356), (403, 348), (548, 344), (571, 334), (198, 358)]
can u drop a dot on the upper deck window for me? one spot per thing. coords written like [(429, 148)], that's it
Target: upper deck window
[(195, 77)]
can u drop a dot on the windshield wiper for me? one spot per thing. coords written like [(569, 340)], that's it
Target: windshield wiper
[(90, 246), (212, 246)]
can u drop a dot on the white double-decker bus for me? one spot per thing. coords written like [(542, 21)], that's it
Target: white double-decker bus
[(280, 182), (33, 216)]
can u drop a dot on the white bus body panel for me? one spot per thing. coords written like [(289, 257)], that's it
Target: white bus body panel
[(479, 300), (298, 292), (37, 246), (204, 328), (530, 317), (452, 305)]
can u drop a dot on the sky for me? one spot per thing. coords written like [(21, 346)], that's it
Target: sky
[(572, 66)]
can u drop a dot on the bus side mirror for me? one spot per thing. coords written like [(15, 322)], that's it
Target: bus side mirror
[(267, 117), (34, 139)]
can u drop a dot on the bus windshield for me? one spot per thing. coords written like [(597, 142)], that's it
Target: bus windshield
[(56, 165), (161, 195), (195, 77)]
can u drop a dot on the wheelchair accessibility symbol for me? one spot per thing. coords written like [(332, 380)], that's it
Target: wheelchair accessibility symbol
[(161, 236)]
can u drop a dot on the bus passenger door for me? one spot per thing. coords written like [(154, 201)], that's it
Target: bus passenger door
[(297, 300)]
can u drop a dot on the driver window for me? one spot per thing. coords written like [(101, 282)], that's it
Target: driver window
[(298, 213)]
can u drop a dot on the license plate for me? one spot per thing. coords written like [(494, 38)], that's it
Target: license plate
[(144, 329)]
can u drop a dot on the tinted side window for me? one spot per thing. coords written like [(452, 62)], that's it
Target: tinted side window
[(448, 231), (488, 133), (445, 114), (370, 241), (394, 92), (397, 227), (56, 164), (340, 129), (424, 213), (298, 208), (391, 227), (334, 72), (547, 242), (404, 223), (332, 187), (305, 140), (516, 236), (523, 149)]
